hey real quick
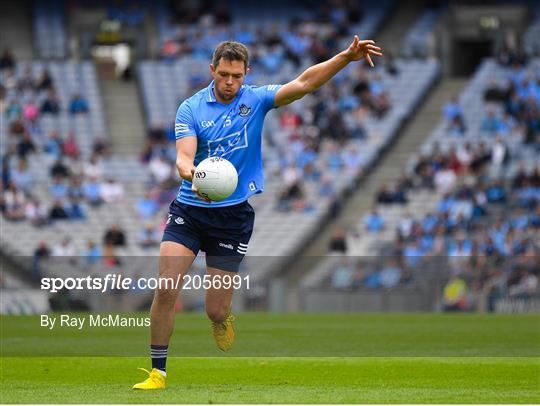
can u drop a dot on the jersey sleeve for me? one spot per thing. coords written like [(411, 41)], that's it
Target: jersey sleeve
[(267, 95), (184, 125)]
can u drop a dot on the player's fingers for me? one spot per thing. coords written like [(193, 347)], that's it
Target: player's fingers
[(373, 47), (367, 41), (370, 61), (370, 52)]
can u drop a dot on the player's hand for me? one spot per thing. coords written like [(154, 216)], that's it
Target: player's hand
[(363, 49), (194, 189)]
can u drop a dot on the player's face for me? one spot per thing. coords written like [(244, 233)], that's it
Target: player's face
[(228, 78)]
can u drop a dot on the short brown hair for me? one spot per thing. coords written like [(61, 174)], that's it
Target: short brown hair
[(231, 51)]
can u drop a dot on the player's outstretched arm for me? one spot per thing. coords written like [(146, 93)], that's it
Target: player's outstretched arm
[(317, 75)]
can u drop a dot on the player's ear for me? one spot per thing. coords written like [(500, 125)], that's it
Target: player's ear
[(212, 68), (247, 71)]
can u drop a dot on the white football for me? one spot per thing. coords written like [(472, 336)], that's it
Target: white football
[(215, 178)]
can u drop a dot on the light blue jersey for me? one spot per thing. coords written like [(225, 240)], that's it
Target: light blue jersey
[(232, 131)]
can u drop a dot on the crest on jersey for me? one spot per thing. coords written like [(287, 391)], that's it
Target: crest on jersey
[(244, 110)]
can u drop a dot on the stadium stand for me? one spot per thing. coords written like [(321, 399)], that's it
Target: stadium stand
[(49, 29), (483, 224), (531, 42), (418, 42)]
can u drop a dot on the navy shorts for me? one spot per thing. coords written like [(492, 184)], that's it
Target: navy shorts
[(223, 233)]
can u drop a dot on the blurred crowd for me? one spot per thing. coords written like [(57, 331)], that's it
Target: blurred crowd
[(486, 226)]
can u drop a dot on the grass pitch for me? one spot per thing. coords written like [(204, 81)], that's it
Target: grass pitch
[(354, 358)]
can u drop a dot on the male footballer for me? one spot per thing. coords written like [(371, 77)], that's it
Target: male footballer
[(224, 119)]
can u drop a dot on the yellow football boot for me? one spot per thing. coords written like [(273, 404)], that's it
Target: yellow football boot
[(154, 381), (224, 333)]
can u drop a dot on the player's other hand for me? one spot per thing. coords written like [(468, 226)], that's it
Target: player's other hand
[(194, 189), (363, 49)]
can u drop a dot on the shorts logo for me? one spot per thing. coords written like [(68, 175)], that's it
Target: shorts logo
[(242, 248), (228, 246), (179, 220), (252, 186), (225, 145), (244, 110)]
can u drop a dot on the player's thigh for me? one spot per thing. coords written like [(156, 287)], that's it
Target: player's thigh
[(180, 243), (220, 292), (175, 259)]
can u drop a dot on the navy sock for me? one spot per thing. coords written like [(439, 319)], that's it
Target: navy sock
[(159, 356)]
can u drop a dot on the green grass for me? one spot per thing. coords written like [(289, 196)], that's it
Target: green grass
[(330, 358)]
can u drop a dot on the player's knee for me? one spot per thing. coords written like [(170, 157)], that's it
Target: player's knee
[(166, 296), (217, 313)]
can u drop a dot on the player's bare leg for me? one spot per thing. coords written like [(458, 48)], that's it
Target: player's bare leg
[(218, 307), (174, 262)]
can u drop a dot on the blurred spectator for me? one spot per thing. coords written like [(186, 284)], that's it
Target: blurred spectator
[(390, 274), (25, 146), (59, 169), (373, 279), (115, 236), (75, 188), (157, 133), (160, 169), (92, 254), (455, 295), (41, 253), (147, 207), (14, 202), (338, 243), (53, 145), (78, 104), (499, 153), (45, 81), (100, 147), (109, 256), (93, 168), (58, 188), (374, 222), (112, 191), (148, 236), (21, 177), (7, 60), (384, 196), (490, 123), (92, 192), (51, 104), (64, 249), (445, 179), (326, 188), (526, 287), (26, 81), (57, 211), (452, 110), (76, 209), (36, 213), (342, 277), (71, 147)]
